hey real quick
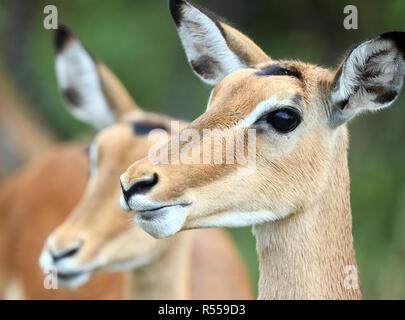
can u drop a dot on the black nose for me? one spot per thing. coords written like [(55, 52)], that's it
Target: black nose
[(140, 187), (65, 253)]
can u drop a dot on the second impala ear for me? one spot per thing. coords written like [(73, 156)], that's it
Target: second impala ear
[(370, 78), (91, 91), (213, 48)]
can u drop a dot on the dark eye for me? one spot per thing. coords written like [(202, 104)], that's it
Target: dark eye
[(284, 120)]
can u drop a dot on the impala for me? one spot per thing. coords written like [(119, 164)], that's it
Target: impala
[(52, 187), (26, 222), (97, 235), (296, 196)]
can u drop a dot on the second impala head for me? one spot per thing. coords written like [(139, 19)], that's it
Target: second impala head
[(98, 235)]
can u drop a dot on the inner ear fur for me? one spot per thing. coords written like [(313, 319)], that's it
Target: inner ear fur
[(213, 48), (370, 77)]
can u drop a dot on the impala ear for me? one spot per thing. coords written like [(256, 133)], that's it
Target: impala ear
[(370, 78), (91, 91), (213, 48)]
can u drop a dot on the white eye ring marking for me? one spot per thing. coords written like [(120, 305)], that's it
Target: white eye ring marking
[(262, 108)]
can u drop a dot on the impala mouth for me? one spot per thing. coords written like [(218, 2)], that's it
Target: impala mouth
[(141, 205), (158, 214), (149, 213), (160, 220), (70, 275), (73, 280), (155, 209), (67, 276)]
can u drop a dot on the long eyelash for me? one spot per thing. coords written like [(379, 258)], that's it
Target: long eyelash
[(264, 116)]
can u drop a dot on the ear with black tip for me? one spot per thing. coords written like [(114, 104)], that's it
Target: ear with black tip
[(91, 91), (213, 48), (370, 78), (60, 37)]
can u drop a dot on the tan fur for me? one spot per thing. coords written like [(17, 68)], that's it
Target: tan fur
[(17, 122), (102, 227), (315, 243), (33, 214), (32, 203), (213, 253), (301, 182), (244, 47), (116, 94), (39, 198), (111, 240)]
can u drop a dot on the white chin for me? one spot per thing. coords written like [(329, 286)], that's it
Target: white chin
[(162, 223), (45, 260), (123, 204), (74, 282)]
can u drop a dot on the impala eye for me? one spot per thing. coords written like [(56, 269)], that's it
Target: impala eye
[(284, 120)]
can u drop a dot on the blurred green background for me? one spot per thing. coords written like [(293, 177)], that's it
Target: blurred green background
[(138, 41)]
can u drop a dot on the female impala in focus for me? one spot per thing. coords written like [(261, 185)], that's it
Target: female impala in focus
[(296, 196), (97, 235)]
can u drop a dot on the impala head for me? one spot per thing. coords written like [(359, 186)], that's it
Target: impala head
[(299, 113), (98, 234)]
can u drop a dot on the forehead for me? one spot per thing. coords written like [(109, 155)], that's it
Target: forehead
[(119, 137), (113, 135), (254, 85), (284, 82)]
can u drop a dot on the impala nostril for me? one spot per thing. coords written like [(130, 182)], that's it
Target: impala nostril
[(141, 186), (66, 253)]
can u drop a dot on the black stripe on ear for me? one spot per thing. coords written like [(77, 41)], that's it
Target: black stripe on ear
[(175, 10), (205, 66), (60, 37), (386, 97), (342, 104), (72, 96), (399, 39), (143, 128)]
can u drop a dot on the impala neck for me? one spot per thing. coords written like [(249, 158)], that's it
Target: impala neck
[(310, 254), (167, 277)]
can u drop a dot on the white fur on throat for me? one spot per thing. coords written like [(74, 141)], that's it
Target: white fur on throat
[(239, 219), (93, 159)]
